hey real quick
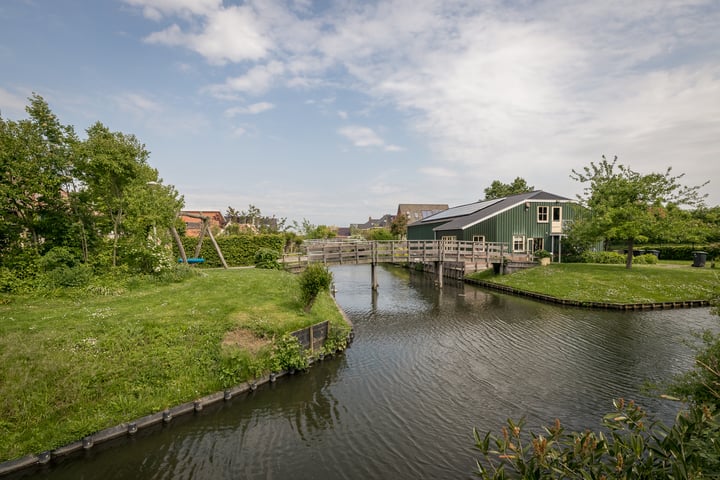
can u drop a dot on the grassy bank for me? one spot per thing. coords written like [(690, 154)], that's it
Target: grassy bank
[(73, 366), (582, 282)]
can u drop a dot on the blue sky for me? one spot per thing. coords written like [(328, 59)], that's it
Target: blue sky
[(336, 111)]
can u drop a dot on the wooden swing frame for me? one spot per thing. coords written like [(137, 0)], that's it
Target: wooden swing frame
[(205, 228)]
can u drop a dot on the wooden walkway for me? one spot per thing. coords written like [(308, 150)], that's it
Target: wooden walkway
[(397, 251)]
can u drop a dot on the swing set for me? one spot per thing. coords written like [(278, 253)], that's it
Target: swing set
[(205, 229)]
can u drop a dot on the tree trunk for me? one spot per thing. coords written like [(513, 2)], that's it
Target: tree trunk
[(629, 258)]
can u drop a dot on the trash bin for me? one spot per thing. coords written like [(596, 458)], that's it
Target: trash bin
[(654, 252), (699, 259)]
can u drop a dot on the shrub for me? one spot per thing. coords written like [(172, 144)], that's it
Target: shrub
[(267, 258), (64, 276), (288, 354), (57, 257), (314, 280), (603, 257), (646, 259), (634, 446)]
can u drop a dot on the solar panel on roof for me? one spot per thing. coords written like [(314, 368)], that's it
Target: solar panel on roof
[(464, 209)]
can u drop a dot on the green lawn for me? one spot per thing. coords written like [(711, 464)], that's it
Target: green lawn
[(70, 367), (664, 282)]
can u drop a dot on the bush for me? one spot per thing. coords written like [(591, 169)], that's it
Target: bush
[(288, 354), (267, 258), (634, 446), (314, 280), (603, 257), (646, 259), (57, 257), (64, 277)]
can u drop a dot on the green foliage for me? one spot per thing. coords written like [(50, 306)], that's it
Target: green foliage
[(148, 258), (603, 257), (308, 230), (84, 196), (542, 254), (701, 384), (398, 227), (336, 341), (267, 258), (627, 206), (238, 365), (645, 259), (379, 234), (237, 250), (315, 279), (500, 190), (634, 446), (685, 252), (288, 354)]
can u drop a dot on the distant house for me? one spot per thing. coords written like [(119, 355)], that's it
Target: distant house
[(383, 222), (193, 225), (526, 222), (418, 211)]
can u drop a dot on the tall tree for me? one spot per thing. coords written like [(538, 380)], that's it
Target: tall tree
[(35, 170), (111, 162), (498, 189), (628, 206)]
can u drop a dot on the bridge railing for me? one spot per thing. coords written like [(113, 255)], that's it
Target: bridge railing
[(396, 251)]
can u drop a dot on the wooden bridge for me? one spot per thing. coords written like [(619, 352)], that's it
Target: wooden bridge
[(463, 255)]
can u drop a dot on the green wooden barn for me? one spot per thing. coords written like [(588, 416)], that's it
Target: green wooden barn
[(526, 222)]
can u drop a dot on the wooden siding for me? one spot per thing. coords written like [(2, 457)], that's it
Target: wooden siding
[(422, 231)]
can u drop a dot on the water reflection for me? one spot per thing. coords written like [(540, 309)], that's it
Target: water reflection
[(427, 366)]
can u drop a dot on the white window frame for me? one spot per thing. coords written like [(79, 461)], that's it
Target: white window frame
[(518, 240), (546, 214)]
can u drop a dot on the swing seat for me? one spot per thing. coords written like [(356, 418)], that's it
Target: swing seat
[(192, 260)]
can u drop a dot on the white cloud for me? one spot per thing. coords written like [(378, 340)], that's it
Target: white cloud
[(137, 103), (361, 136), (157, 9), (231, 34), (256, 81), (365, 137), (528, 89), (253, 109)]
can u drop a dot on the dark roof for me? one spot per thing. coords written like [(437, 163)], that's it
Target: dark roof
[(384, 221), (464, 216), (418, 211)]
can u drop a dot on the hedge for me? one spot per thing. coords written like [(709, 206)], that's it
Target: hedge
[(238, 250), (684, 252)]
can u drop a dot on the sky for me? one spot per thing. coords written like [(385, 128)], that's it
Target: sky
[(337, 111)]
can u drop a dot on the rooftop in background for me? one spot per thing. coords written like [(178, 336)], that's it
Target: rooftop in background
[(419, 211)]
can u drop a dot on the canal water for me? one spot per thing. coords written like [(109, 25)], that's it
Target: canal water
[(427, 366)]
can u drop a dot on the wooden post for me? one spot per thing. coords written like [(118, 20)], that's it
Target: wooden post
[(217, 247), (373, 264), (180, 246)]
